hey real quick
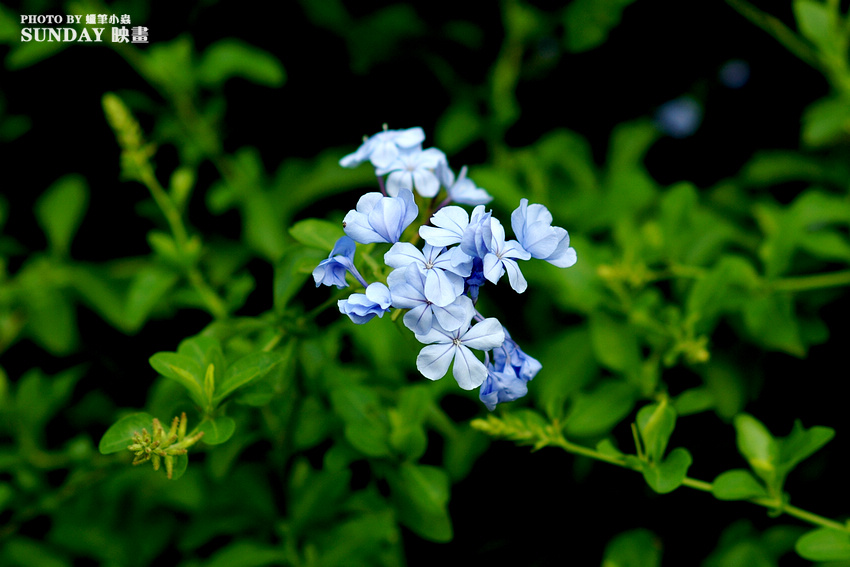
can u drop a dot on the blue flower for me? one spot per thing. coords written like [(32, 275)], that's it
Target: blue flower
[(508, 375), (532, 225), (361, 308), (449, 226), (735, 73), (501, 386), (475, 280), (502, 258), (407, 286), (509, 354), (462, 190), (443, 280), (414, 170), (447, 346), (679, 118), (384, 147), (380, 219), (341, 260), (478, 235)]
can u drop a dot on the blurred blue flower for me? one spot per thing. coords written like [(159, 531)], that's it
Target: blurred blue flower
[(734, 74), (361, 308), (680, 117), (384, 147), (462, 190), (414, 170), (380, 219)]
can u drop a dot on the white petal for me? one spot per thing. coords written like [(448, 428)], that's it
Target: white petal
[(440, 288), (468, 370), (420, 319), (434, 360), (402, 254), (515, 276), (486, 335)]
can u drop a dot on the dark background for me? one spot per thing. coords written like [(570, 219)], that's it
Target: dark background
[(516, 507)]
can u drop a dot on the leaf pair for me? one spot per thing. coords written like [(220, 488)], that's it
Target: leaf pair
[(199, 366)]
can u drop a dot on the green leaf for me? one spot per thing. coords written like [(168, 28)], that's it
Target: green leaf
[(771, 321), (757, 445), (407, 434), (293, 269), (119, 436), (458, 127), (262, 225), (571, 349), (818, 23), (164, 246), (245, 553), (245, 371), (312, 423), (182, 369), (801, 443), (614, 342), (668, 476), (181, 464), (366, 426), (24, 54), (39, 397), (737, 484), (230, 57), (60, 210), (317, 233), (596, 412), (24, 552), (10, 28), (824, 544), (315, 496), (826, 121), (634, 548), (204, 350), (147, 289), (656, 423), (588, 22), (421, 495), (217, 430), (723, 288), (693, 400), (102, 294)]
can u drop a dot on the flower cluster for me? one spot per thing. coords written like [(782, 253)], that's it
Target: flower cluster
[(437, 285)]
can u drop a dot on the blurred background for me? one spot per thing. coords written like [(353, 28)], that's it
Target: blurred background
[(484, 80)]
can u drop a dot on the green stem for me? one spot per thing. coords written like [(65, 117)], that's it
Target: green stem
[(772, 503), (164, 202), (815, 281), (779, 31)]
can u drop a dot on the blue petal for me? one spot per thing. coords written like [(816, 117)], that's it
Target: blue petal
[(486, 335), (442, 288), (468, 370), (402, 254), (434, 360)]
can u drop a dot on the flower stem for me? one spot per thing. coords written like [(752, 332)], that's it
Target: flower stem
[(815, 281), (772, 503)]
